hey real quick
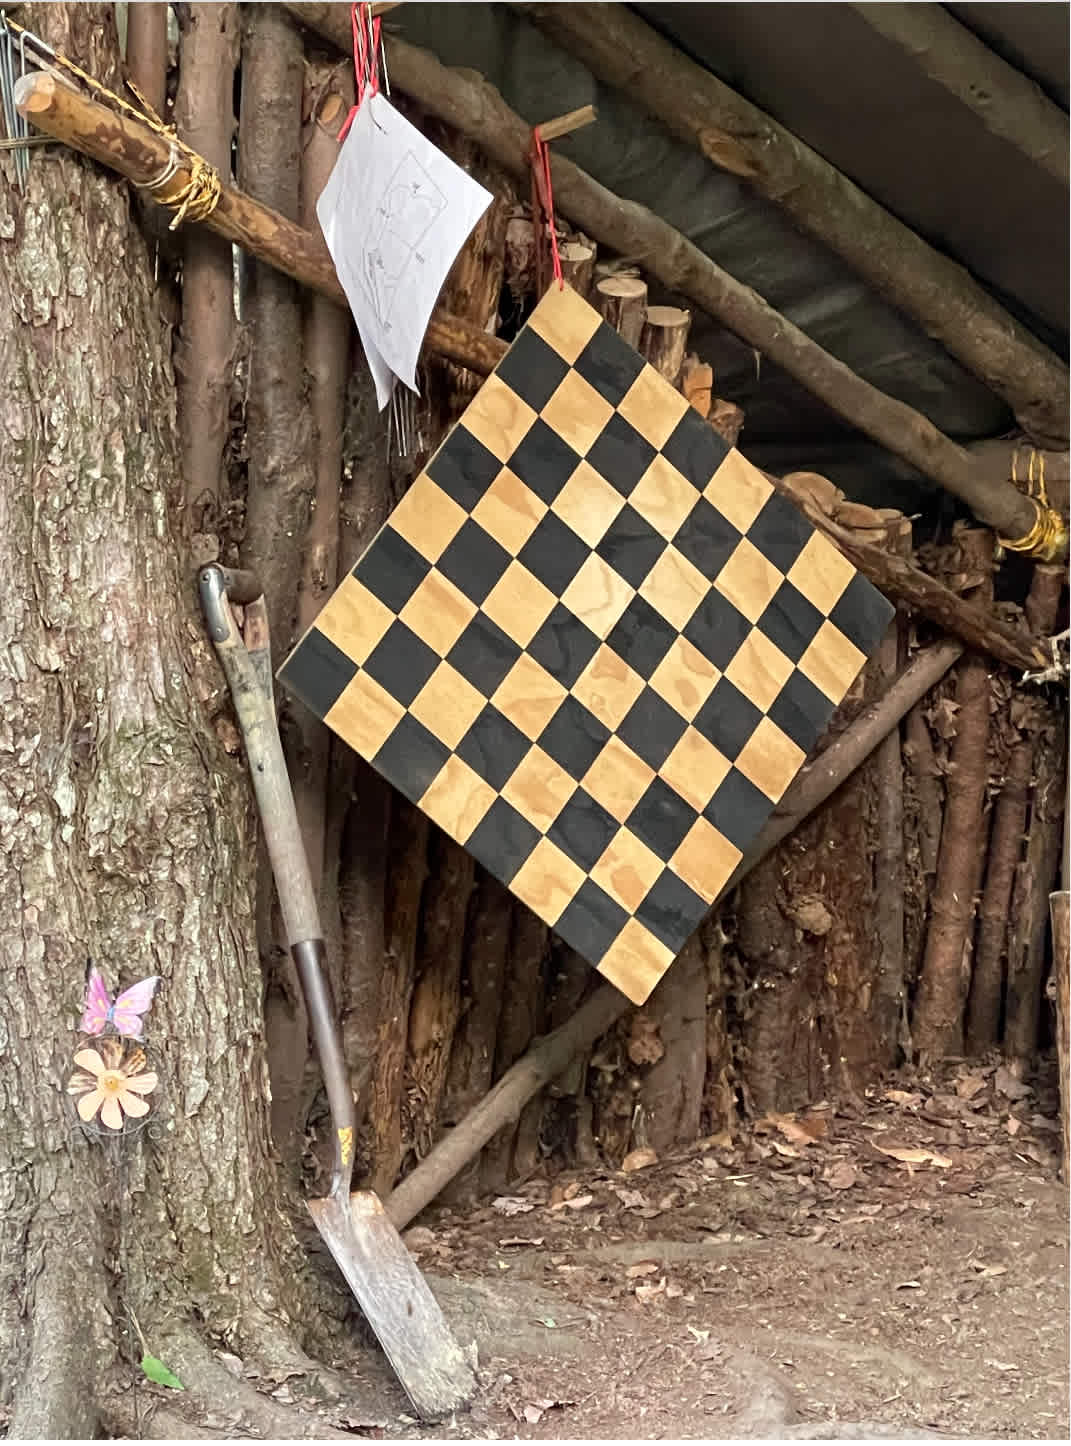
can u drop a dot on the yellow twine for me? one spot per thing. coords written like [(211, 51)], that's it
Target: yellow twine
[(195, 198), (1047, 539)]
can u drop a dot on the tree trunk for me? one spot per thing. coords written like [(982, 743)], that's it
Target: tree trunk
[(622, 302), (127, 836)]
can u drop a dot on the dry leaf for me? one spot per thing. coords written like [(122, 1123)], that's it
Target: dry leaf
[(1012, 1125), (799, 1132), (908, 1098), (520, 1240), (1009, 1086), (648, 1292), (532, 1414), (909, 1285), (785, 1150), (641, 1268), (1002, 1365), (512, 1205), (913, 1157), (573, 1188), (969, 1086), (578, 1202), (841, 1176), (638, 1160), (629, 1198), (644, 1043)]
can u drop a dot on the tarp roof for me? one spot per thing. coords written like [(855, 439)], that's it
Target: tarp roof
[(824, 74)]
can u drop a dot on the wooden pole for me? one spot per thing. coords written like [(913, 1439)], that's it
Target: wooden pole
[(1007, 102), (1060, 915), (140, 154), (664, 340), (550, 1056), (622, 302), (465, 100), (146, 51), (735, 135)]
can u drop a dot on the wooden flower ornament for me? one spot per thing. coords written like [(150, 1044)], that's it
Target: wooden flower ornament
[(112, 1082)]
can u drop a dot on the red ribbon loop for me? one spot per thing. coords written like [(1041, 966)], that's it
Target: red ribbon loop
[(543, 193), (365, 59)]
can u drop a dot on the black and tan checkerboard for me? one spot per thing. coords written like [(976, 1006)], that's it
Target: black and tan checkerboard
[(592, 643)]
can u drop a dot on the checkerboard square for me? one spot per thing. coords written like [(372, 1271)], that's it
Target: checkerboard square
[(402, 663), (592, 642), (621, 454), (464, 468), (474, 561), (392, 569), (564, 645), (493, 746)]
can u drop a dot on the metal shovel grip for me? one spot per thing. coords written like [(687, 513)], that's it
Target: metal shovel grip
[(245, 656)]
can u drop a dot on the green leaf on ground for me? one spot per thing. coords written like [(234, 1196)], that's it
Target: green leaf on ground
[(158, 1372)]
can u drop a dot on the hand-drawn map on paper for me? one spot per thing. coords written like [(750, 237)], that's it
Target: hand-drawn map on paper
[(394, 213)]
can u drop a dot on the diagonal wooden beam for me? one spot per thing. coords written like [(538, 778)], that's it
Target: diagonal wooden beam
[(1007, 102), (946, 301), (466, 101)]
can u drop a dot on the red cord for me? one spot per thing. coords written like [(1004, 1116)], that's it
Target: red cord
[(540, 158), (365, 58)]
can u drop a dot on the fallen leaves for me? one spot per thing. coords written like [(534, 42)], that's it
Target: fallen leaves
[(908, 1156), (639, 1160), (512, 1205), (841, 1176)]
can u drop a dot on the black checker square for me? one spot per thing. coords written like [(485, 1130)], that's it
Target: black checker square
[(631, 545), (464, 468), (554, 553), (483, 654), (574, 738), (411, 758), (695, 449), (738, 809), (318, 672), (653, 623), (401, 663), (392, 569), (609, 364), (564, 645), (671, 910), (474, 561), (502, 840), (532, 369), (651, 728)]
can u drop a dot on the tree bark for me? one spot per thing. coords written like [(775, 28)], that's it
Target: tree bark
[(1007, 102), (738, 137), (204, 348), (521, 1019), (937, 1024), (127, 836), (671, 1090)]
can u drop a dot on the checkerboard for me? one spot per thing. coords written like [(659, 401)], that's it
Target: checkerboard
[(592, 643)]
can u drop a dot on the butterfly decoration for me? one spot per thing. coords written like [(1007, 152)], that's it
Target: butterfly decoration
[(124, 1014)]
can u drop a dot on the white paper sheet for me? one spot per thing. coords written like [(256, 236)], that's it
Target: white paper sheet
[(394, 213)]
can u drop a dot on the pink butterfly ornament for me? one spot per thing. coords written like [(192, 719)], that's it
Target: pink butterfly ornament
[(124, 1014)]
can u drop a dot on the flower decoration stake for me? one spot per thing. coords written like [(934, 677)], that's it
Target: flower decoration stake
[(112, 1080)]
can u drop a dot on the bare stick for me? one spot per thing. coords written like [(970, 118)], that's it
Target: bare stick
[(546, 1059), (1060, 914), (146, 51)]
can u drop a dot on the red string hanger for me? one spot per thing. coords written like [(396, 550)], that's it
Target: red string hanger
[(543, 211), (366, 43)]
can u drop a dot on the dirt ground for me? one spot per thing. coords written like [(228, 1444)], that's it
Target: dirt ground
[(897, 1268)]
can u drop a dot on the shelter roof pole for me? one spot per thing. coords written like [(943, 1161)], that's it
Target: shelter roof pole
[(737, 136), (465, 100)]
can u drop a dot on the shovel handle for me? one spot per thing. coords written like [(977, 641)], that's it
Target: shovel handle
[(247, 666)]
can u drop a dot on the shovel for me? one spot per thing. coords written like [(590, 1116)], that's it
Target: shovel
[(367, 1248)]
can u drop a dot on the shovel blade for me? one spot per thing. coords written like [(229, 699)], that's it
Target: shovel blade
[(397, 1303)]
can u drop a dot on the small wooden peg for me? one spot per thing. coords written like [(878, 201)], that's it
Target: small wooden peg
[(553, 130)]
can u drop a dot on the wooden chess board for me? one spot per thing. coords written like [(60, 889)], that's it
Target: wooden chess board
[(592, 643)]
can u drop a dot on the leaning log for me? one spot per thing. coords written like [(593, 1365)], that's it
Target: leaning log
[(467, 101), (1060, 915), (548, 1057), (737, 136), (138, 153)]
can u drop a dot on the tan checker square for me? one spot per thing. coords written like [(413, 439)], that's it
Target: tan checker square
[(695, 768), (528, 696), (749, 580), (588, 504), (547, 881), (821, 573), (608, 687), (770, 759), (355, 619), (509, 511), (618, 779), (636, 961), (519, 603), (653, 407), (831, 662), (738, 490), (498, 418), (759, 669), (577, 413), (598, 596), (365, 715), (438, 612), (627, 870), (685, 678), (539, 788), (565, 322), (674, 587), (705, 860), (427, 518), (664, 497), (458, 799), (448, 705)]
